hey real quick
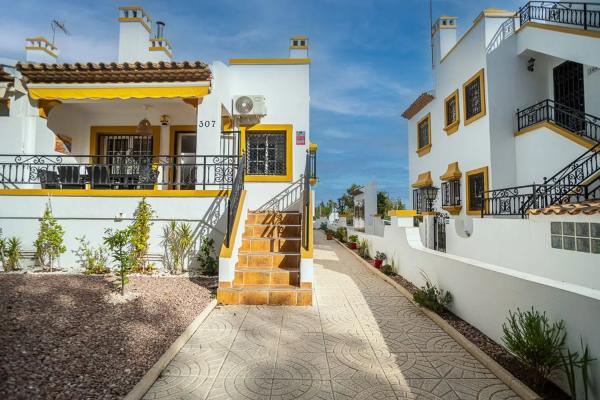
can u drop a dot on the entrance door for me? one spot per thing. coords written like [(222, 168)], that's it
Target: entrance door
[(185, 169), (568, 91)]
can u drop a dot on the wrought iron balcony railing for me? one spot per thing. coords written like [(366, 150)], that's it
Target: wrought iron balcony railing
[(581, 14), (117, 171), (234, 198), (580, 123)]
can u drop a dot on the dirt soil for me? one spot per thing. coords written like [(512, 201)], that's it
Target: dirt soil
[(62, 337)]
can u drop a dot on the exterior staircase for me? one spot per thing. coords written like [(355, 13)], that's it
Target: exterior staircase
[(268, 267)]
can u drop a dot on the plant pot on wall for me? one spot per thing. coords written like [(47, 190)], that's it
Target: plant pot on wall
[(377, 263), (329, 236), (354, 246)]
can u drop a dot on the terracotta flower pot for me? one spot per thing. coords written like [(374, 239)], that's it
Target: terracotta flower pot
[(329, 237), (354, 246), (377, 263)]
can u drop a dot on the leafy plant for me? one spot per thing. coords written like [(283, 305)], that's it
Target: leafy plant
[(140, 234), (537, 343), (363, 249), (353, 238), (14, 250), (93, 260), (380, 256), (49, 243), (341, 234), (118, 242), (2, 250), (432, 297), (177, 241), (207, 258), (572, 361), (323, 226), (387, 269)]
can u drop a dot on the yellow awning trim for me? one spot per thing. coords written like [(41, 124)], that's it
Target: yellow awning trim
[(115, 92), (402, 213), (424, 180), (452, 173)]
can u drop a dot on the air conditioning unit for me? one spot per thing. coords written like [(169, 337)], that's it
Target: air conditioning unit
[(250, 105)]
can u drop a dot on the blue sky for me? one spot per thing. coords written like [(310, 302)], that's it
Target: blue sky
[(370, 60)]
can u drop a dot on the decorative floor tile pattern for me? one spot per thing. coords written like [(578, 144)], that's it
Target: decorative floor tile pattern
[(361, 339)]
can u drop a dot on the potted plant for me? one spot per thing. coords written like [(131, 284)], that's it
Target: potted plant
[(329, 234), (353, 242), (340, 234), (379, 258)]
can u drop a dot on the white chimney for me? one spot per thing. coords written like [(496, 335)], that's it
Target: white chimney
[(299, 47), (160, 48), (135, 26), (443, 37), (40, 50)]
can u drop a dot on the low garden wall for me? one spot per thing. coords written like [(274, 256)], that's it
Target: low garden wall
[(484, 293)]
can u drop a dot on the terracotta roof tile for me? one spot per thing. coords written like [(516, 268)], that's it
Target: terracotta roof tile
[(5, 76), (587, 207), (116, 72), (417, 105)]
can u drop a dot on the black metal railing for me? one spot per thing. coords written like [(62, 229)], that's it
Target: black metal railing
[(574, 183), (234, 198), (580, 123), (117, 171), (306, 222), (582, 14)]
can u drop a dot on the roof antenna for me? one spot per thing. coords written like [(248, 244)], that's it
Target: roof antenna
[(430, 35), (60, 25)]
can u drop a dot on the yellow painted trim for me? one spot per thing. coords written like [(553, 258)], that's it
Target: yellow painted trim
[(53, 54), (127, 130), (113, 193), (557, 129), (453, 173), (40, 39), (486, 186), (313, 147), (481, 76), (308, 253), (299, 37), (161, 48), (117, 92), (45, 106), (402, 213), (423, 180), (137, 19), (287, 128), (562, 29), (226, 251), (453, 127), (298, 47), (242, 61), (428, 213), (421, 151), (453, 210)]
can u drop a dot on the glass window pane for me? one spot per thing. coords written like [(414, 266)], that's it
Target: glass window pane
[(595, 230), (595, 246), (555, 228), (568, 242), (569, 228), (582, 229), (266, 153), (583, 245), (556, 242)]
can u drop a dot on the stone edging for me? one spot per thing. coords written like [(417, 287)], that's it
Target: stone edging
[(140, 389), (516, 385)]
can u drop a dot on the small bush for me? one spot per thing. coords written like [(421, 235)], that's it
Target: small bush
[(380, 256), (207, 258), (363, 249), (387, 269), (177, 242), (140, 234), (341, 234), (49, 243), (13, 250), (353, 239), (537, 343), (432, 297), (93, 260), (323, 226), (118, 242)]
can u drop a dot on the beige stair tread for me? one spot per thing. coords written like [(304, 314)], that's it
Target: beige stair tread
[(270, 238), (279, 269), (268, 287), (277, 224), (268, 212), (268, 253)]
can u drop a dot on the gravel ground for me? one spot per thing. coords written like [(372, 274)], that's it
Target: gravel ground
[(61, 338)]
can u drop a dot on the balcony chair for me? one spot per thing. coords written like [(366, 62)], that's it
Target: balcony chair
[(48, 179), (99, 177), (70, 177)]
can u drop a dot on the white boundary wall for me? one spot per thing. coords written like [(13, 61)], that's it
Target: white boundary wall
[(484, 293)]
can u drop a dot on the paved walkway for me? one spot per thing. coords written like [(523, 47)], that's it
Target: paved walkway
[(360, 340)]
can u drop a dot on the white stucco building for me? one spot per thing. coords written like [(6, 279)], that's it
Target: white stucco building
[(91, 140)]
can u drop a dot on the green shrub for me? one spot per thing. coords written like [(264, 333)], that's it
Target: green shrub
[(537, 343), (323, 226), (432, 297), (387, 269), (13, 250), (140, 234), (207, 258), (341, 234), (363, 249), (353, 239), (177, 242), (118, 242), (380, 256), (49, 243), (572, 361), (93, 260)]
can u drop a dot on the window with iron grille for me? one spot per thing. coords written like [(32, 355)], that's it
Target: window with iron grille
[(125, 153), (418, 201), (451, 193), (266, 153), (476, 184), (451, 114), (423, 129), (473, 97)]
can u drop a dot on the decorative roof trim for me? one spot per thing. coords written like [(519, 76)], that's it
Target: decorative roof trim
[(452, 173), (424, 180), (587, 207), (417, 105)]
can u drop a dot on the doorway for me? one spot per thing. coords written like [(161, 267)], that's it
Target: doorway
[(569, 96), (185, 161)]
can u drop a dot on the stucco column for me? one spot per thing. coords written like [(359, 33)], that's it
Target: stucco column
[(165, 129), (428, 220)]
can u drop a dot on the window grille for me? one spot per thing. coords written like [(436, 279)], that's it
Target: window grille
[(451, 116), (423, 133), (476, 189), (473, 98), (451, 193), (266, 152)]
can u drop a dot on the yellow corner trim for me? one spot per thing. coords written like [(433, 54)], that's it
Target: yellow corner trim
[(50, 52), (484, 171), (557, 129), (563, 29), (308, 253), (137, 19), (242, 61), (287, 128), (113, 193), (298, 47), (126, 130), (227, 251), (481, 76), (423, 180), (116, 92), (402, 213), (161, 48)]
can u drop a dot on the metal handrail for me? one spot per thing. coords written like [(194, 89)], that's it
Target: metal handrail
[(306, 203), (233, 202), (583, 14)]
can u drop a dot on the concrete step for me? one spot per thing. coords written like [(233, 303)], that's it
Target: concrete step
[(288, 295), (268, 260), (272, 231), (259, 244), (275, 218), (266, 276)]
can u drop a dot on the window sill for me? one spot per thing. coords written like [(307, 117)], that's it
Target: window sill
[(423, 150), (268, 178), (474, 118), (453, 127), (453, 210)]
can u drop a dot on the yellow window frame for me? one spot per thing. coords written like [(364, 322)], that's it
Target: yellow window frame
[(481, 76), (287, 128), (486, 187), (452, 127), (421, 151)]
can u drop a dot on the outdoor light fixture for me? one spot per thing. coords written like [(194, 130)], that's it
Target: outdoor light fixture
[(144, 127), (430, 194), (530, 64)]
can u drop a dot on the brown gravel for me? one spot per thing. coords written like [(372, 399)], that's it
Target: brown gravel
[(60, 338)]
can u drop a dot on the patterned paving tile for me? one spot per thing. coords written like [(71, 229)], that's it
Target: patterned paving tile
[(196, 362), (481, 389), (284, 389), (426, 389), (362, 389), (459, 366), (240, 387), (302, 366), (180, 387), (401, 366), (291, 342)]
